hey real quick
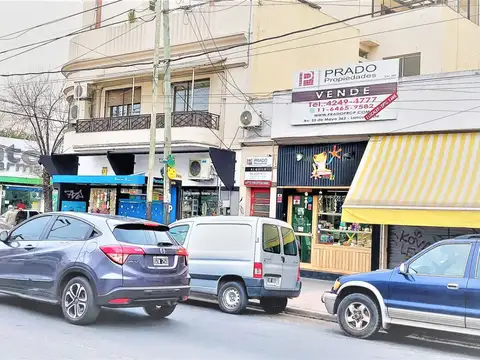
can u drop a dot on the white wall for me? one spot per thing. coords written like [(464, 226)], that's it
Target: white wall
[(432, 103), (22, 145)]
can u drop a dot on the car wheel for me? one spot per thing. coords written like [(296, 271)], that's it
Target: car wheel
[(160, 312), (232, 298), (359, 316), (78, 302), (273, 305)]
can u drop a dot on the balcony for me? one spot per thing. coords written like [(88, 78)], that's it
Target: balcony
[(137, 39), (201, 119)]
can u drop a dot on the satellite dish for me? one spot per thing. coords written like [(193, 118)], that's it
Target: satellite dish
[(246, 118)]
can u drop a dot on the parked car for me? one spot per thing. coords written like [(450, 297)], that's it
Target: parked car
[(437, 289), (87, 261), (237, 258)]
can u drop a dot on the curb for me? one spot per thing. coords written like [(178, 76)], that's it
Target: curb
[(301, 313), (310, 314)]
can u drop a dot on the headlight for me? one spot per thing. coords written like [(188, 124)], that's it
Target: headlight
[(336, 285)]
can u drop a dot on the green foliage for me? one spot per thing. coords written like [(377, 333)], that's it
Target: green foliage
[(15, 134)]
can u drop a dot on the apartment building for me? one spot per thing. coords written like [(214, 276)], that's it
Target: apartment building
[(222, 99)]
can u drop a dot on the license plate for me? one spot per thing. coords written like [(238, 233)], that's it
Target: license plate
[(273, 281), (160, 260)]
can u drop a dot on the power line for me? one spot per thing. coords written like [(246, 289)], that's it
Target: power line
[(25, 31), (49, 41)]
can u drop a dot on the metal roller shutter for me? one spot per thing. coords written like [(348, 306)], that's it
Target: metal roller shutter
[(406, 241)]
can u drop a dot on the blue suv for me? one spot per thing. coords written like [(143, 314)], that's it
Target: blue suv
[(437, 289), (87, 261)]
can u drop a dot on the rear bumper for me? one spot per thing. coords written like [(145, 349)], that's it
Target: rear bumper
[(256, 289), (139, 296), (329, 298)]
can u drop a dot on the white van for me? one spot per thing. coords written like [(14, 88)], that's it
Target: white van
[(237, 258)]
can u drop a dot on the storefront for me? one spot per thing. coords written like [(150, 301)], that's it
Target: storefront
[(313, 182), (423, 188), (115, 195), (20, 180), (258, 180), (199, 201)]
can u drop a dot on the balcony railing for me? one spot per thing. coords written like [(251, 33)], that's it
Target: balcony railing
[(200, 119)]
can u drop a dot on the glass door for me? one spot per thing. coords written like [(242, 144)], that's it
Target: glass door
[(300, 214)]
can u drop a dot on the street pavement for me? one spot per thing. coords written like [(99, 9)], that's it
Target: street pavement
[(195, 331)]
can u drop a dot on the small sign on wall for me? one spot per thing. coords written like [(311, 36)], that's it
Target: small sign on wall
[(104, 171)]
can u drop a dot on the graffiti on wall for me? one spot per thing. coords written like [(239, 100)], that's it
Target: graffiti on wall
[(407, 241)]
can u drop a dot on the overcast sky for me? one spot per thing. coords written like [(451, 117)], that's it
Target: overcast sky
[(19, 15)]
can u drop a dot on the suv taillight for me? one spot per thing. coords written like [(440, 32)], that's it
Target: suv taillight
[(257, 270), (119, 253), (183, 252)]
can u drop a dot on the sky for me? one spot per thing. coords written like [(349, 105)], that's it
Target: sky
[(19, 15)]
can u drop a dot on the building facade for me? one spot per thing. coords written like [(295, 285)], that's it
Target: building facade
[(367, 183)]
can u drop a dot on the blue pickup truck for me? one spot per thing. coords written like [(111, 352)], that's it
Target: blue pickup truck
[(438, 289)]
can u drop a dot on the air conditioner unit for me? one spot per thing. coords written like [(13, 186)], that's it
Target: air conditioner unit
[(80, 110), (200, 169), (250, 118), (82, 92)]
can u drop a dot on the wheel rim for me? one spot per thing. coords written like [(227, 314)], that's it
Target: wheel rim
[(231, 298), (75, 301), (357, 316)]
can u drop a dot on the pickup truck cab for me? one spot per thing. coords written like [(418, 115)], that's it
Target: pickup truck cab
[(438, 289)]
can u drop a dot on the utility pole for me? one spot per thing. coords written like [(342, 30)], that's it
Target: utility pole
[(153, 117), (167, 95)]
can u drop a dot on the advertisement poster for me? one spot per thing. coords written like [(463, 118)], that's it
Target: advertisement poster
[(346, 94)]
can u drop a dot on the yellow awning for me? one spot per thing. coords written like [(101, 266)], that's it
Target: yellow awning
[(423, 180)]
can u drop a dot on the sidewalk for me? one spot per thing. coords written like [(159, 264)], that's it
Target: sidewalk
[(309, 303)]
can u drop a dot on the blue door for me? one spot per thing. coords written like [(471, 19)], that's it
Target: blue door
[(434, 287)]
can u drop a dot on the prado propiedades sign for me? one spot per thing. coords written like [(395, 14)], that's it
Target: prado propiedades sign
[(345, 94)]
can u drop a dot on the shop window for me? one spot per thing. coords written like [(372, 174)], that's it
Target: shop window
[(187, 99), (289, 242), (31, 230), (445, 260), (103, 201), (260, 203), (120, 102), (271, 239), (199, 202), (409, 65), (179, 233), (332, 231), (66, 228)]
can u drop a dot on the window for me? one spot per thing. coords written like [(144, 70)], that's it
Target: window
[(260, 205), (444, 260), (67, 229), (179, 233), (120, 102), (409, 65), (271, 239), (142, 235), (184, 99), (31, 230), (289, 242)]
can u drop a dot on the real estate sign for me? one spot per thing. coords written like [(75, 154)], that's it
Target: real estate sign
[(345, 94)]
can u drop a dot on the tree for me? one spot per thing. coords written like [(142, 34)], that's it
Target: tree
[(39, 109)]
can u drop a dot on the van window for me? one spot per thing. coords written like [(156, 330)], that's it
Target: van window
[(289, 243), (179, 233), (271, 239)]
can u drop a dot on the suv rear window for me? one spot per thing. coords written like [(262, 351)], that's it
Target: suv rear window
[(140, 234)]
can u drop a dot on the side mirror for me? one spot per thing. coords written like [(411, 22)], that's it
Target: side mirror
[(403, 269), (3, 236)]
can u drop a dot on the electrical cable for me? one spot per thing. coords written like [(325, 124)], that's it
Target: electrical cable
[(25, 31)]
